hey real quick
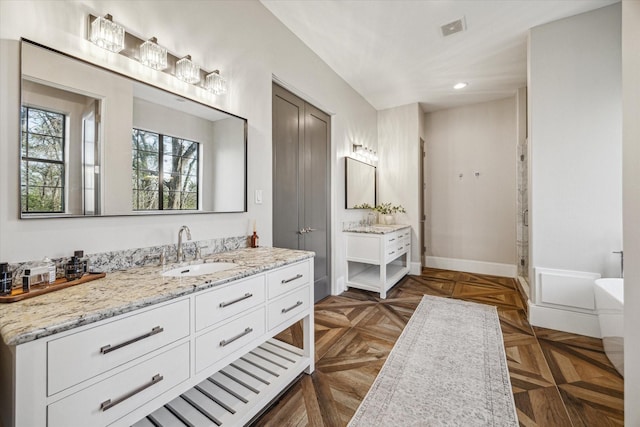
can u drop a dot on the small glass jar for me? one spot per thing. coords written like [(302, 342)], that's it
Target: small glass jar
[(74, 269), (6, 279)]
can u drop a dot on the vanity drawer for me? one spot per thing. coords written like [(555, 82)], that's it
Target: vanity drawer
[(77, 357), (223, 340), (219, 304), (116, 396), (391, 240), (287, 307), (394, 251), (288, 278)]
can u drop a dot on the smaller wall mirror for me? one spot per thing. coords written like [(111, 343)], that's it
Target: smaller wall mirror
[(360, 183)]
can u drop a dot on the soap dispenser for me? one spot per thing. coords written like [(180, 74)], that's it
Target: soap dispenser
[(254, 237)]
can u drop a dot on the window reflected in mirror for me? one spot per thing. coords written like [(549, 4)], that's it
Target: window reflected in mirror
[(42, 167), (175, 160)]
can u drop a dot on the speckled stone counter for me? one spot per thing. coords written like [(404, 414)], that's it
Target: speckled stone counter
[(124, 291), (376, 228)]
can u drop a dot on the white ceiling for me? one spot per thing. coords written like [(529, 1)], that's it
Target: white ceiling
[(392, 51)]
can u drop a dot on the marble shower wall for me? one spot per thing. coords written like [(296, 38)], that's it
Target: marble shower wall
[(522, 233)]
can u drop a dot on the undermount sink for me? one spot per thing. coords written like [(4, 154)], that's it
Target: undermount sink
[(199, 269)]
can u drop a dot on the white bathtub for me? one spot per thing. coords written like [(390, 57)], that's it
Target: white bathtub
[(609, 294)]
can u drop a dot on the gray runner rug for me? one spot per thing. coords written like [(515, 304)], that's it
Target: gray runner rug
[(448, 368)]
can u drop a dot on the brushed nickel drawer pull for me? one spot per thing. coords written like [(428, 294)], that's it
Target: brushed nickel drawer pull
[(107, 404), (286, 310), (392, 252), (392, 240), (108, 348), (296, 277), (242, 298), (232, 339)]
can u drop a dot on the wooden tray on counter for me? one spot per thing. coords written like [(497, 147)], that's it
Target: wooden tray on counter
[(45, 288)]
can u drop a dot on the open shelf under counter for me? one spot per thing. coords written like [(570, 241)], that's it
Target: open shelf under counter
[(237, 393), (377, 257)]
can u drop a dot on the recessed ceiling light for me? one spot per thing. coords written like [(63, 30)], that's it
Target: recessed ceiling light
[(460, 85)]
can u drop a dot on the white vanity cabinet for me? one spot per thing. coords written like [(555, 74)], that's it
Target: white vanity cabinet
[(156, 364), (377, 257)]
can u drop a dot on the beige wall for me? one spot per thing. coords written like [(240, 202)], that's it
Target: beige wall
[(631, 212), (472, 218)]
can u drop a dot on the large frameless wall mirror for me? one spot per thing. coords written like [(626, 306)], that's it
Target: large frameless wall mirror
[(360, 184), (96, 143)]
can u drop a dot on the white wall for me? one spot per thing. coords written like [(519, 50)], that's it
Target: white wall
[(576, 159), (242, 39), (471, 220), (399, 167), (631, 194)]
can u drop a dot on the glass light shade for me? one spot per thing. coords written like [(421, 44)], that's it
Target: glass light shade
[(107, 34), (215, 83), (187, 71), (153, 55)]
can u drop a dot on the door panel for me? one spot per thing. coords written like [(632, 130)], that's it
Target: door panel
[(316, 200), (287, 137)]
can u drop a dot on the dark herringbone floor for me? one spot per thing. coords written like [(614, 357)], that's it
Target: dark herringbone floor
[(558, 379)]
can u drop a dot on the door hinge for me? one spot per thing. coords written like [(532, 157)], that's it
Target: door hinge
[(522, 157), (522, 262)]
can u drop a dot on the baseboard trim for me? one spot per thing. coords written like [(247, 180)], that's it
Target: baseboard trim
[(471, 266), (564, 320)]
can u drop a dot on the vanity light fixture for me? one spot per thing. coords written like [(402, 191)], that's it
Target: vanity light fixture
[(111, 36), (364, 153), (460, 85), (107, 34), (215, 83), (187, 71), (153, 55)]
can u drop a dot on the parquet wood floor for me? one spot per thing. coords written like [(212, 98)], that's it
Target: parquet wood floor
[(558, 379)]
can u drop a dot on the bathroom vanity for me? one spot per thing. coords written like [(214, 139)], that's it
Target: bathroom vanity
[(138, 348), (377, 256)]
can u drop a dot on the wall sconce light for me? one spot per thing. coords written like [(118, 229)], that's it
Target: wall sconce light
[(215, 83), (107, 34), (187, 71), (365, 154), (153, 55)]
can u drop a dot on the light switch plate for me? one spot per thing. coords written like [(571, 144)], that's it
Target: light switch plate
[(258, 197)]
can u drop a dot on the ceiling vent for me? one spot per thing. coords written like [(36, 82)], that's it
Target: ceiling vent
[(453, 27)]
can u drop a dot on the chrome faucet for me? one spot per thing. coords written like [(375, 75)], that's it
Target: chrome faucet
[(180, 250)]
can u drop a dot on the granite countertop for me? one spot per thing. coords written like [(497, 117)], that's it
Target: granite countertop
[(124, 291), (377, 228)]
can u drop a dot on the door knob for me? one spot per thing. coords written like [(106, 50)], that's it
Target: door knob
[(302, 231), (309, 229)]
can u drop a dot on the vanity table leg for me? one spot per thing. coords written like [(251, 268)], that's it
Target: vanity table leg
[(308, 328), (382, 282)]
